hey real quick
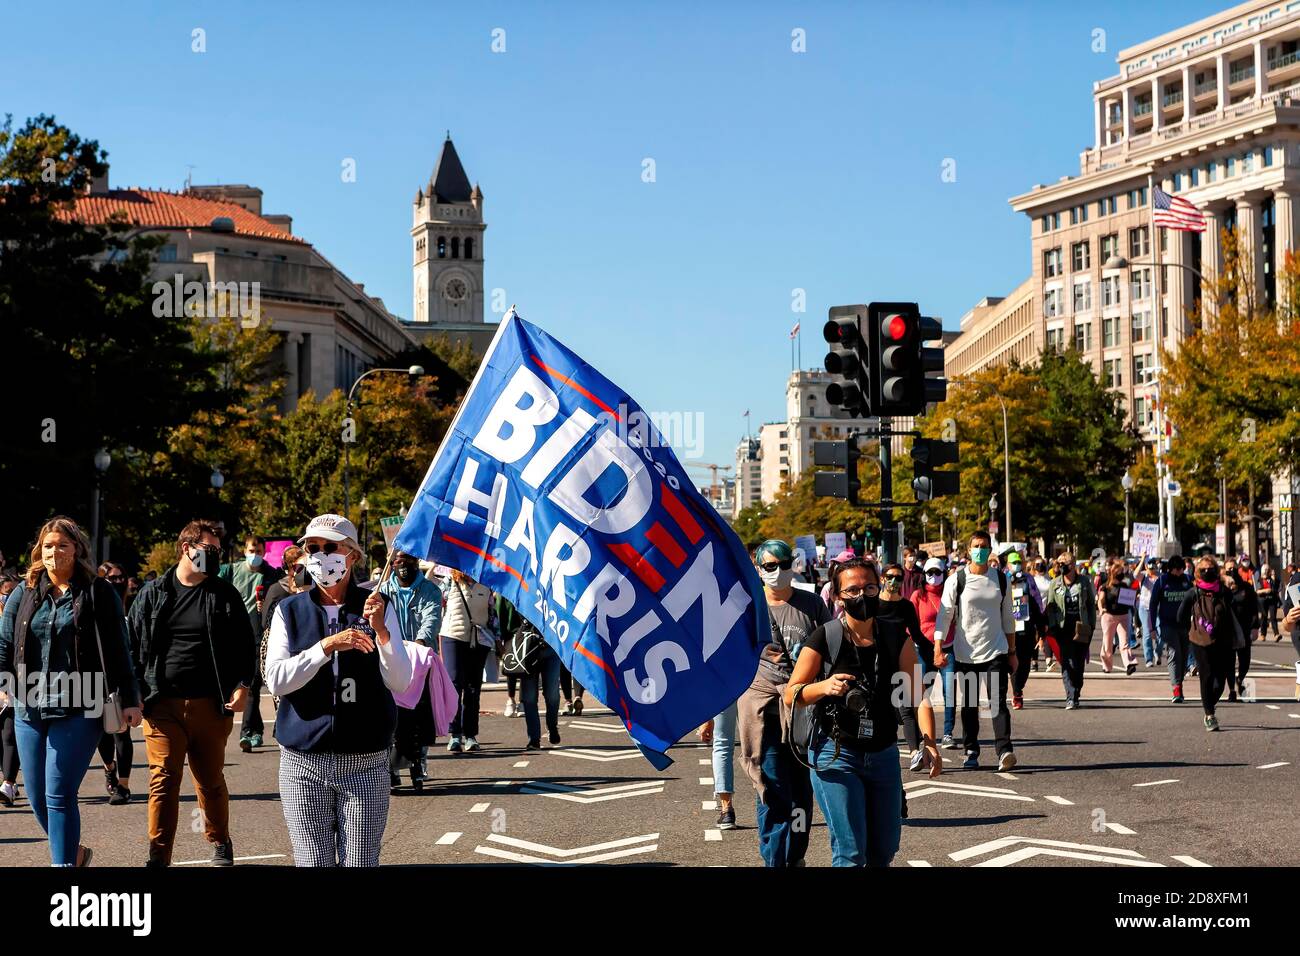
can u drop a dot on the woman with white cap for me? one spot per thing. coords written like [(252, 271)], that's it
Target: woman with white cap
[(335, 657)]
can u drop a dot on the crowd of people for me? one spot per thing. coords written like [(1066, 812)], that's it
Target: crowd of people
[(366, 671)]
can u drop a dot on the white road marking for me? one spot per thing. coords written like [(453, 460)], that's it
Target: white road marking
[(918, 863), (1190, 861), (1296, 716), (706, 781), (963, 791), (1120, 829), (504, 783), (613, 850), (561, 791), (1061, 800), (1003, 842), (1155, 783), (522, 763), (447, 839), (705, 763), (238, 859), (479, 808), (1270, 766), (582, 753), (1272, 706), (712, 836), (708, 804), (1025, 853), (603, 728), (1008, 776)]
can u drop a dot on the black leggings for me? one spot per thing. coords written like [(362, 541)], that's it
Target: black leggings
[(512, 682), (118, 750), (1026, 654), (1238, 667), (1215, 665), (8, 745), (568, 686)]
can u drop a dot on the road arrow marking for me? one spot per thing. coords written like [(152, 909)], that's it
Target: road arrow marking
[(1154, 783), (963, 786), (603, 728), (556, 856), (1270, 766), (238, 859), (1003, 842), (1025, 853), (561, 791), (1190, 861), (582, 753), (963, 791), (1061, 800), (447, 839)]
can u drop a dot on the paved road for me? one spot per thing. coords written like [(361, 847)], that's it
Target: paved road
[(1130, 779)]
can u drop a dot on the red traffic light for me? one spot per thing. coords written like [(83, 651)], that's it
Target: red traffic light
[(895, 327)]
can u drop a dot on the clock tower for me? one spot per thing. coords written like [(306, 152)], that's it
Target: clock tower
[(447, 242)]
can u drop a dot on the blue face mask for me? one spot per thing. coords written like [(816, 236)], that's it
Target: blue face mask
[(980, 555), (254, 560)]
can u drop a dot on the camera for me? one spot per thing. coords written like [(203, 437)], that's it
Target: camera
[(858, 697)]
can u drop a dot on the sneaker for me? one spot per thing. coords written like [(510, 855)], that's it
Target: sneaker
[(533, 745), (246, 744), (577, 707), (727, 819), (155, 863), (511, 707), (1194, 672), (1132, 666), (1149, 664), (223, 854), (555, 738), (1006, 761), (972, 761), (255, 740), (394, 781), (568, 708), (1232, 695), (1177, 697), (1033, 665), (918, 758), (8, 794), (84, 855), (471, 745), (1211, 722), (121, 795), (110, 780), (1051, 665), (1071, 704), (454, 746), (1017, 702), (949, 742)]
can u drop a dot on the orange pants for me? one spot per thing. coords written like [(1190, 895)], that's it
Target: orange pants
[(175, 729)]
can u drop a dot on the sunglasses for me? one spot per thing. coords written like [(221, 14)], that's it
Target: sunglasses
[(893, 577), (777, 565), (329, 547)]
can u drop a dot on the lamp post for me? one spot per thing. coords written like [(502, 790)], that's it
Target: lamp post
[(956, 513), (1127, 484), (414, 371), (365, 515), (925, 524), (993, 508), (102, 460), (1006, 464)]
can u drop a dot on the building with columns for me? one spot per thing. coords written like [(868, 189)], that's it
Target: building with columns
[(1209, 112)]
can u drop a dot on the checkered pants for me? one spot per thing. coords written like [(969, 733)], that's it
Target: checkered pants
[(335, 805)]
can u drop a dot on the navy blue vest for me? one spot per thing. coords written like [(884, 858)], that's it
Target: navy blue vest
[(351, 713)]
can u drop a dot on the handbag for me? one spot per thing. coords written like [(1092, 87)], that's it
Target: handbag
[(113, 717), (484, 636), (523, 654)]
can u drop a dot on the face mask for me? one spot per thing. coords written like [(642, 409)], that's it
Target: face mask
[(206, 560), (862, 608), (934, 577), (405, 574), (980, 555), (254, 560), (300, 576), (777, 580), (893, 584), (327, 569), (1208, 574)]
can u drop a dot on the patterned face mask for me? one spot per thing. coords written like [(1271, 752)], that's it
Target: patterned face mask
[(327, 569)]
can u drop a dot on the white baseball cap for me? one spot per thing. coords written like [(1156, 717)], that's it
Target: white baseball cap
[(934, 564), (332, 528)]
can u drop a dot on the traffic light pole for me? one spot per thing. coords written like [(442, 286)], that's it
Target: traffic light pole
[(888, 530)]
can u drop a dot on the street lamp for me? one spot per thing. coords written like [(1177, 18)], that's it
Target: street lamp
[(102, 460), (1127, 483), (993, 508), (1006, 463), (956, 512), (414, 371), (365, 514)]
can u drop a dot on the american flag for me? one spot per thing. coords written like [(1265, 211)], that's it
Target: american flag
[(795, 330), (1173, 212)]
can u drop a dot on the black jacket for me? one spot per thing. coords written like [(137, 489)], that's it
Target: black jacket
[(96, 607), (230, 634)]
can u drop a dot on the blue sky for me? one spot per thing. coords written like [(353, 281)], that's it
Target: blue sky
[(775, 170)]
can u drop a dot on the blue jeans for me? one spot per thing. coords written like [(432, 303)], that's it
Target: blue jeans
[(549, 677), (1153, 648), (55, 755), (724, 750), (949, 673), (861, 796), (786, 817)]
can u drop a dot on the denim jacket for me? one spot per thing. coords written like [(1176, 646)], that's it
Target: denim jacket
[(421, 617)]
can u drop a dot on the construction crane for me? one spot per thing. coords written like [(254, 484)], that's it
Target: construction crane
[(713, 488)]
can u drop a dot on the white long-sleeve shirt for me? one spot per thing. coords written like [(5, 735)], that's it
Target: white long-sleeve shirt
[(985, 619), (287, 673)]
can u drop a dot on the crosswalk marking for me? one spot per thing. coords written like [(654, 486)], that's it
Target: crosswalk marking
[(713, 835), (918, 863), (553, 856), (1270, 766), (479, 808), (708, 804), (522, 763), (561, 791), (706, 781), (1120, 829), (1190, 861), (1155, 783), (704, 762), (447, 839), (1061, 800), (1003, 842)]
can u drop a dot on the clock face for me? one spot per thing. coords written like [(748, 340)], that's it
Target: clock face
[(455, 290)]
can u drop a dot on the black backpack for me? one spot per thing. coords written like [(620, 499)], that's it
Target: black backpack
[(956, 598), (804, 721)]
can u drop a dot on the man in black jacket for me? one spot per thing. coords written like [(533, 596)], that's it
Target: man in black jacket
[(196, 656)]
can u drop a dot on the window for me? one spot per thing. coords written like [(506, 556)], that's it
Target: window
[(1211, 171), (1137, 198), (167, 253), (1056, 340), (1248, 162), (469, 248), (1074, 215), (455, 247), (1056, 220), (1268, 156), (1112, 375), (1110, 331), (1047, 224), (442, 247), (1079, 259), (1083, 296), (1109, 246), (1052, 303), (1142, 369), (1141, 285), (1139, 242), (1083, 336), (1109, 291), (1141, 412), (1052, 262), (1230, 167), (1192, 175), (1141, 326), (1178, 181)]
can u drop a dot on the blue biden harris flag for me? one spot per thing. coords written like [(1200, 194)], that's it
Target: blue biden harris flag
[(554, 489)]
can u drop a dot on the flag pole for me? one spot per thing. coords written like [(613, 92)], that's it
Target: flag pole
[(1158, 288)]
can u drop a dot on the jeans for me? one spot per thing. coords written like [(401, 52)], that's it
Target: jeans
[(993, 678), (464, 662), (549, 679), (252, 724), (861, 797), (724, 750), (1179, 648), (55, 755), (785, 819), (1153, 648), (8, 746)]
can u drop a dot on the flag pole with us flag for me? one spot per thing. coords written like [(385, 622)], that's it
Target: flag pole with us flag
[(556, 490)]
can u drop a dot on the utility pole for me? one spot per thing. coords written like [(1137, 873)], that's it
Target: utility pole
[(888, 530)]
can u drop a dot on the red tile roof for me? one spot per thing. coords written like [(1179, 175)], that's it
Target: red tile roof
[(154, 207)]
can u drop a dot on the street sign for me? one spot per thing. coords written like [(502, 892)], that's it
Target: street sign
[(1173, 489), (1220, 538)]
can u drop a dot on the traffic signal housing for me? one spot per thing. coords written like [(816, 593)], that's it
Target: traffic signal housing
[(902, 385), (849, 358), (837, 484), (928, 454)]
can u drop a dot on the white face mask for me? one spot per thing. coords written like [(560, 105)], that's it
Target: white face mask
[(777, 580), (327, 570)]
